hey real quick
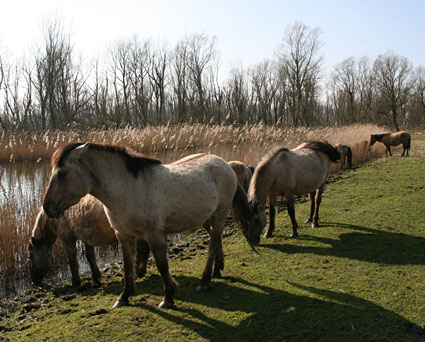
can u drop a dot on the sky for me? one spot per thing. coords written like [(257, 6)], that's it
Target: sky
[(247, 32)]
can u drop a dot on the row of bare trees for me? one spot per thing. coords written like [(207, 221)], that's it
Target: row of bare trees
[(142, 82)]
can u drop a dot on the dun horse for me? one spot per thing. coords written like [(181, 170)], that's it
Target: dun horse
[(303, 170), (392, 139), (243, 173), (145, 200), (346, 155), (85, 221)]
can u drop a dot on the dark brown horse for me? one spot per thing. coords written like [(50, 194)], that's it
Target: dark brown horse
[(303, 170), (392, 139)]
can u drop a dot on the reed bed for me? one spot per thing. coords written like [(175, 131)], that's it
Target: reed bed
[(22, 183), (172, 142)]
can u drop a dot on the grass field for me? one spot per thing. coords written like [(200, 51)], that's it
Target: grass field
[(359, 277)]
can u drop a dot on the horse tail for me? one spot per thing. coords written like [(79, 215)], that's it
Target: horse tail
[(242, 214), (349, 157), (408, 141)]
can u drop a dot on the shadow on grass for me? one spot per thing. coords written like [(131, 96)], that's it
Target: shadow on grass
[(253, 312), (366, 244)]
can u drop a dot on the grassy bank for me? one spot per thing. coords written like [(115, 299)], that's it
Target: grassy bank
[(360, 277)]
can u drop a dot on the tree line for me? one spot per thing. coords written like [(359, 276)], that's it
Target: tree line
[(142, 82)]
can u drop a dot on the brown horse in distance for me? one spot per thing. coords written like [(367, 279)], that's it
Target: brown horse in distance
[(392, 139)]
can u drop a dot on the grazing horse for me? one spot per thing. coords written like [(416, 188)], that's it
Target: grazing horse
[(346, 155), (85, 221), (243, 173), (303, 170), (392, 139), (146, 200)]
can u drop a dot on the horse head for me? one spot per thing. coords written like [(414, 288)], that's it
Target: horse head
[(40, 248), (259, 220), (372, 140), (69, 180)]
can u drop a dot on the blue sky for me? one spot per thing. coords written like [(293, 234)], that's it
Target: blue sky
[(247, 32)]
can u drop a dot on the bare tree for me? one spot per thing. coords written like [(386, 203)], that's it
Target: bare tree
[(300, 64), (264, 85), (392, 74), (417, 103), (201, 53)]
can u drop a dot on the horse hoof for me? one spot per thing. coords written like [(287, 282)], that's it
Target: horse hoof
[(268, 235), (315, 225), (120, 303), (293, 236), (202, 288), (166, 304), (308, 220)]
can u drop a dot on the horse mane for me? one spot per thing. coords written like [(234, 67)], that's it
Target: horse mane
[(134, 161), (324, 147), (379, 137)]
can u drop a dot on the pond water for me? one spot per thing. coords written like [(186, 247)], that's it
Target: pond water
[(21, 190)]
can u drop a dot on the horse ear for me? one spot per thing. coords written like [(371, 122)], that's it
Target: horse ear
[(81, 149)]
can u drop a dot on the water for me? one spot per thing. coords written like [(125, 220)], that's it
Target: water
[(21, 190)]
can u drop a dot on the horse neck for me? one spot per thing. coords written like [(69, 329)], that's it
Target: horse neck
[(43, 228), (109, 176), (260, 185)]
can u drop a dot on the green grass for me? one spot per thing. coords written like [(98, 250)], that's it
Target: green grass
[(359, 277)]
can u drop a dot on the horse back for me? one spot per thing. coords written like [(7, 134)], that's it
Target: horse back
[(88, 222), (305, 170)]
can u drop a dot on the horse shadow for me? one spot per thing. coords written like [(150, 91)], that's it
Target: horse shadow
[(270, 314), (365, 244)]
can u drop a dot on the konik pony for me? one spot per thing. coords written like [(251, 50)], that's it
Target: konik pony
[(146, 200), (392, 139), (86, 221), (288, 173)]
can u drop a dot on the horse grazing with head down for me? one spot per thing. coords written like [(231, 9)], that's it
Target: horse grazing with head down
[(346, 155), (303, 170), (86, 221), (146, 200), (392, 139)]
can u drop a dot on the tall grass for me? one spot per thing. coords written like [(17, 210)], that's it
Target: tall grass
[(248, 142)]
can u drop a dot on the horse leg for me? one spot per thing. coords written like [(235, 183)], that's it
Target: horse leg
[(142, 256), (127, 247), (389, 150), (71, 252), (312, 207), (158, 246), (272, 214), (291, 212), (318, 200), (215, 252), (91, 258)]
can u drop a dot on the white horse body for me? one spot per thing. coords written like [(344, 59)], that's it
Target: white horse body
[(167, 198), (145, 200)]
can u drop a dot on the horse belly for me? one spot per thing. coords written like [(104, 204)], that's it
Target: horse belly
[(190, 213)]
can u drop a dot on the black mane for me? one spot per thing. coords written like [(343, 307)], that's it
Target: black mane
[(134, 161), (324, 147)]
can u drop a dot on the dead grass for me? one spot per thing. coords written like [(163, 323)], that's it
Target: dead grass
[(246, 143)]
